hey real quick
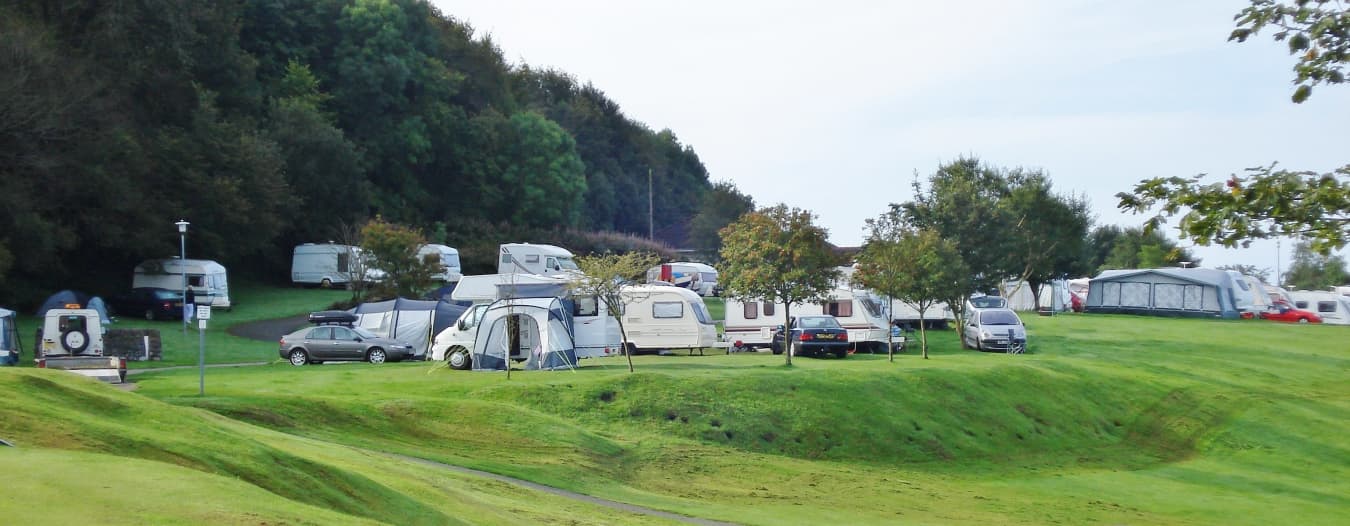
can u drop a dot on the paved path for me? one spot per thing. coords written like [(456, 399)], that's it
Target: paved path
[(622, 506), (268, 330)]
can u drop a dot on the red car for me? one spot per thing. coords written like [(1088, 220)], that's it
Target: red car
[(1283, 312)]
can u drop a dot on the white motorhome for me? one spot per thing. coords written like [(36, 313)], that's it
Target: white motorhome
[(450, 269), (858, 311), (698, 277), (206, 278), (1332, 307), (526, 258), (663, 317), (594, 331), (325, 264)]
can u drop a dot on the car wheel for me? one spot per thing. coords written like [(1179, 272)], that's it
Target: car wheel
[(795, 350), (376, 356), (326, 283), (299, 357), (1303, 320), (149, 315), (459, 359)]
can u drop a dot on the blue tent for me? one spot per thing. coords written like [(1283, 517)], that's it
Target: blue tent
[(1188, 292), (70, 297)]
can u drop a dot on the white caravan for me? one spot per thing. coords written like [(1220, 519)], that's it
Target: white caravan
[(325, 264), (698, 277), (1332, 307), (206, 278), (594, 332), (450, 269), (525, 258), (664, 317), (859, 311)]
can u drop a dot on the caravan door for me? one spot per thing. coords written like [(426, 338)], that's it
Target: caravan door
[(594, 331)]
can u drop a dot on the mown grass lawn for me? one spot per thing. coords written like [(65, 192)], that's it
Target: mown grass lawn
[(1110, 419)]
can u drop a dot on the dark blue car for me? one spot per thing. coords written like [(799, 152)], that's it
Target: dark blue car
[(813, 336)]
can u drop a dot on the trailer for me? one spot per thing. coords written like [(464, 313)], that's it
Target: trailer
[(526, 258), (1332, 307), (207, 279), (72, 340), (751, 323), (661, 317)]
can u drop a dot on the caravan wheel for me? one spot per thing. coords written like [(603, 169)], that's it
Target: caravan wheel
[(458, 358)]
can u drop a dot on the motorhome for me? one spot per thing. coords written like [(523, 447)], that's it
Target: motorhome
[(661, 317), (450, 269), (526, 258), (859, 311), (593, 330), (325, 264), (206, 278), (698, 277), (1332, 307)]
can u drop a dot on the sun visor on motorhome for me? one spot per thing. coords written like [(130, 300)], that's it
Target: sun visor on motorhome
[(531, 290)]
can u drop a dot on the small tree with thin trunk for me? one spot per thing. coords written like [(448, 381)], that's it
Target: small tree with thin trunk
[(879, 263), (915, 266), (607, 279), (779, 255)]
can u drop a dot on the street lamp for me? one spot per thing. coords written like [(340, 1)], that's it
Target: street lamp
[(182, 265)]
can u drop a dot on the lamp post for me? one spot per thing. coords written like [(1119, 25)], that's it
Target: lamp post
[(182, 265)]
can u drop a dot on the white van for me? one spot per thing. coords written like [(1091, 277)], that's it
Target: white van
[(698, 277), (206, 278), (664, 317), (325, 264), (526, 258), (858, 311), (450, 269), (1332, 307)]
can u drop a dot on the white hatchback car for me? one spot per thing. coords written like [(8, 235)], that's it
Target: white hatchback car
[(994, 330)]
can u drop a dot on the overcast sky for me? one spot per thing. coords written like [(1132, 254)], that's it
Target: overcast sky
[(835, 106)]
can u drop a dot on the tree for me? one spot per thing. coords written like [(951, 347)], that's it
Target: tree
[(608, 277), (1313, 271), (1048, 230), (914, 266), (721, 205), (1261, 273), (392, 249), (778, 255), (1317, 31), (1135, 248)]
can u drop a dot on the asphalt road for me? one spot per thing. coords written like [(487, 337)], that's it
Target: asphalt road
[(268, 330)]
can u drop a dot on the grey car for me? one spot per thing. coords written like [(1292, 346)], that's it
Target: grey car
[(336, 343), (994, 330)]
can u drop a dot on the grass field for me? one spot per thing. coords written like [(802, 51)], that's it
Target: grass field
[(1109, 419)]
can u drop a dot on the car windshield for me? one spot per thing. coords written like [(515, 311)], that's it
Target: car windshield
[(999, 317), (364, 333), (821, 322), (567, 264)]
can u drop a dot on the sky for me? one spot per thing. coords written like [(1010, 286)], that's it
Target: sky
[(836, 107)]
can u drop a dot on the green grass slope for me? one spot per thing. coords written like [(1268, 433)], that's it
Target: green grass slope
[(1118, 419)]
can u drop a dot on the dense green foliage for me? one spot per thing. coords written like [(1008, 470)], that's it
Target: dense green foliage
[(1317, 32), (1111, 247), (1313, 271), (392, 250), (267, 124), (916, 266)]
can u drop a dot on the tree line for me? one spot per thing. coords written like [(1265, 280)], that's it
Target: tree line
[(267, 124)]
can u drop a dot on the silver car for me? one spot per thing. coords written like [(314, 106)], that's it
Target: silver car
[(994, 330), (336, 343)]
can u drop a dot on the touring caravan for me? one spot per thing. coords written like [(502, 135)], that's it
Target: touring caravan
[(1332, 307), (325, 264), (526, 258), (450, 269), (698, 277), (593, 332), (858, 311), (664, 317), (206, 278)]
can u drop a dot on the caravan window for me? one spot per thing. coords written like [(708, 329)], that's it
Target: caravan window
[(751, 310), (344, 262), (1326, 306), (196, 280), (531, 258), (701, 312), (585, 306), (506, 259), (839, 309), (872, 306), (768, 309), (1301, 304), (667, 310)]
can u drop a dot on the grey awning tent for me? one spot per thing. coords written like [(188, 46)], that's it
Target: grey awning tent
[(70, 297), (542, 337), (1190, 292), (414, 322)]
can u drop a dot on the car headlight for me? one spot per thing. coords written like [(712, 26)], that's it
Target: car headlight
[(986, 334)]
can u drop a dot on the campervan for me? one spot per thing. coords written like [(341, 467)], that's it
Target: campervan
[(858, 311), (663, 317), (526, 258), (697, 277), (325, 264), (1332, 307), (450, 269), (593, 331), (206, 278)]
